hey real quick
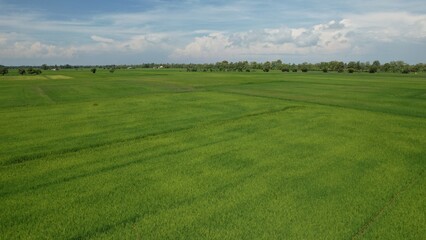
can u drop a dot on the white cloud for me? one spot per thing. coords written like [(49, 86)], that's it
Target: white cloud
[(206, 47), (355, 34), (324, 38), (36, 49), (3, 39), (267, 36), (389, 26), (101, 39), (15, 48), (307, 38), (144, 41), (198, 31)]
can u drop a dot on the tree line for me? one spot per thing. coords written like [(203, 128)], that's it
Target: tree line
[(241, 66), (21, 71), (336, 66)]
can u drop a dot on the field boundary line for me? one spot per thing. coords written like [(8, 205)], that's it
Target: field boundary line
[(24, 107), (389, 204), (321, 104)]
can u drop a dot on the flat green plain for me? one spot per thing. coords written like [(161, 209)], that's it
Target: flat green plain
[(166, 154)]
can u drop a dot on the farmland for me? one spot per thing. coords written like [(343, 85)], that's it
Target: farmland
[(167, 154)]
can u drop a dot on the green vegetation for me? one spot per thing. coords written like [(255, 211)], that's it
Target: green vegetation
[(33, 71), (170, 154), (21, 71), (3, 70), (245, 66)]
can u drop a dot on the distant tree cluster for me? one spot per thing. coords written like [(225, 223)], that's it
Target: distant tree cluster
[(351, 67), (332, 66), (31, 71), (241, 66), (3, 70)]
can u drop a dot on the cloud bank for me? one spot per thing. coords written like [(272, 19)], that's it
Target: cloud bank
[(197, 31), (355, 35)]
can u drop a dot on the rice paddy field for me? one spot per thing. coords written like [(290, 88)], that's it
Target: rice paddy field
[(166, 154)]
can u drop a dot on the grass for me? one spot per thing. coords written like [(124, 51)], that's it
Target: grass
[(165, 154)]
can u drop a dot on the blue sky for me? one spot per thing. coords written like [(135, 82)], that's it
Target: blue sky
[(135, 31)]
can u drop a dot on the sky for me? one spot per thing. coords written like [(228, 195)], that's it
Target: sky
[(35, 32)]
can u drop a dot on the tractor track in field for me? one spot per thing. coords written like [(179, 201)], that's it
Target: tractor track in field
[(177, 204), (108, 227), (317, 103), (389, 204), (104, 169), (40, 91), (26, 158)]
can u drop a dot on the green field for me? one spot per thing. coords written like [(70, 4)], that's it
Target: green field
[(166, 154)]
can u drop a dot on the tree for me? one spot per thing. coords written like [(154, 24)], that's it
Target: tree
[(224, 65), (339, 67), (358, 66), (276, 64), (21, 71), (285, 69), (325, 70), (351, 70), (305, 67), (376, 65), (44, 67), (112, 70), (33, 71), (366, 66), (399, 66), (386, 67), (3, 70), (266, 66), (242, 66), (323, 65), (93, 70), (352, 65), (419, 67), (372, 69)]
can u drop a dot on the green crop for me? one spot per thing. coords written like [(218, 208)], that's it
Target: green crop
[(166, 154)]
